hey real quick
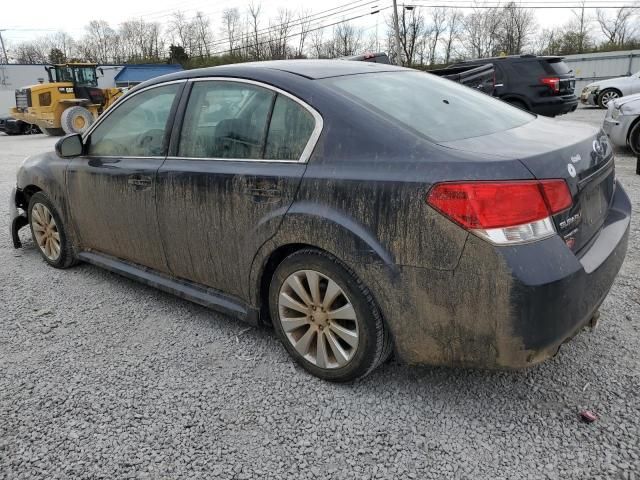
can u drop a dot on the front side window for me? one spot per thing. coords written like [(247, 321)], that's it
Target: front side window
[(226, 120), (137, 127)]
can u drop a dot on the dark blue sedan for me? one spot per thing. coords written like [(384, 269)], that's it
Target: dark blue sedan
[(360, 208)]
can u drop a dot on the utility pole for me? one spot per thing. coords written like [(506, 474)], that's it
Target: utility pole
[(4, 52), (396, 29)]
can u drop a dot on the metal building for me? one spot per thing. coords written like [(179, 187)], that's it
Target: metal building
[(591, 67)]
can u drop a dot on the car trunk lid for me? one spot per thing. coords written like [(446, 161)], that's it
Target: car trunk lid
[(577, 153)]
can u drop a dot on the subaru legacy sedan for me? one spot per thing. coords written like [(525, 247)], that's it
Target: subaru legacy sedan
[(361, 209)]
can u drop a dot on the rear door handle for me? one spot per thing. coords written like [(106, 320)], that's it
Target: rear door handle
[(139, 182)]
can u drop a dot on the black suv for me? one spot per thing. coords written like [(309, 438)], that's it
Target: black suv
[(543, 85)]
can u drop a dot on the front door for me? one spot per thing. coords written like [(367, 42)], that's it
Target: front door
[(237, 165), (111, 189)]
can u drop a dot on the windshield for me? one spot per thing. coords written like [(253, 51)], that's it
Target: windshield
[(85, 76), (439, 109)]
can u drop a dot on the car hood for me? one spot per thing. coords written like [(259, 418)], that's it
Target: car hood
[(632, 102), (612, 82)]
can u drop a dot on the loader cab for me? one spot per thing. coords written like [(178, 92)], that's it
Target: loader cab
[(81, 74)]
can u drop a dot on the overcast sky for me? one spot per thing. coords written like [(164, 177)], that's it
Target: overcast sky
[(28, 19)]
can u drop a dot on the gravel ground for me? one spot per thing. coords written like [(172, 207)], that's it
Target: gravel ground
[(101, 377)]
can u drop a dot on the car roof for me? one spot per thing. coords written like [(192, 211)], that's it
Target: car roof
[(312, 69), (512, 57)]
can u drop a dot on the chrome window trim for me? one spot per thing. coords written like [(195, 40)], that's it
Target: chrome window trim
[(115, 106), (311, 143)]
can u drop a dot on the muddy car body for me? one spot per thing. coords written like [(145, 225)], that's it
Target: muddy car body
[(364, 201)]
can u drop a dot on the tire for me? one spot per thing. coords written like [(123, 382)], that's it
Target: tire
[(634, 138), (76, 120), (605, 96), (40, 212), (53, 132), (369, 340)]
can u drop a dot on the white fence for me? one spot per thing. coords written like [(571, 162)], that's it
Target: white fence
[(591, 67)]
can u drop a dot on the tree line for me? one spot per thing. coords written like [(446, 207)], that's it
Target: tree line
[(428, 36)]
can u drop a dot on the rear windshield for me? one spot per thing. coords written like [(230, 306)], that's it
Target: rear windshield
[(440, 110), (558, 67)]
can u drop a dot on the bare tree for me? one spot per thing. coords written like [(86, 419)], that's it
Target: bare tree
[(203, 35), (304, 22), (100, 43), (617, 28), (318, 44), (454, 20), (254, 13), (437, 27), (516, 26), (411, 26), (279, 31), (231, 27), (347, 40), (182, 32), (581, 24), (481, 28)]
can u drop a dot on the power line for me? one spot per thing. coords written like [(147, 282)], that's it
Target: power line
[(264, 42), (299, 22)]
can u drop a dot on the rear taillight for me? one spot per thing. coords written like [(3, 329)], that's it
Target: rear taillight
[(552, 82), (503, 212)]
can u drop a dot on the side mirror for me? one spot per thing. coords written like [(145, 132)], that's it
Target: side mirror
[(69, 146)]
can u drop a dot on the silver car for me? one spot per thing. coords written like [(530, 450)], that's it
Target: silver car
[(600, 93), (621, 122)]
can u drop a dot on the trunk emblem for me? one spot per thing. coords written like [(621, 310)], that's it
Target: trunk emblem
[(572, 170), (576, 158)]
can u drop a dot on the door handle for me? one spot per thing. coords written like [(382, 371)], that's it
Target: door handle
[(139, 182)]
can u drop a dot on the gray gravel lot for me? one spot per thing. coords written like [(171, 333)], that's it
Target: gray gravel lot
[(101, 377)]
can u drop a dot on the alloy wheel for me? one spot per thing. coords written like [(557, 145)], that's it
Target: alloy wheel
[(45, 231), (318, 319), (608, 96)]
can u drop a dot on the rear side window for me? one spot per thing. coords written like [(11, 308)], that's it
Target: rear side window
[(290, 129), (225, 120), (556, 66), (528, 69), (436, 108)]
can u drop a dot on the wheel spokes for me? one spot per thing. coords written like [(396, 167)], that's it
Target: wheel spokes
[(313, 279), (302, 345), (321, 351), (288, 302), (349, 336), (331, 293), (338, 352), (291, 324), (346, 312), (297, 286)]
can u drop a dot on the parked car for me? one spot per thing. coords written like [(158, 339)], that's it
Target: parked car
[(480, 77), (11, 126), (600, 93), (540, 84), (622, 123), (360, 208)]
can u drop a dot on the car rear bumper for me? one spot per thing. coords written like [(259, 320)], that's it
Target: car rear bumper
[(505, 307), (552, 106)]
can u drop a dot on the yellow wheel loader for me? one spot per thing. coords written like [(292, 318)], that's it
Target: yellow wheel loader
[(69, 103)]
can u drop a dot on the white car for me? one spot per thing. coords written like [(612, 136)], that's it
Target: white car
[(622, 122), (602, 92)]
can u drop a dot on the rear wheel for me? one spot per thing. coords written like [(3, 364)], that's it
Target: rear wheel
[(327, 318), (606, 96), (517, 103), (76, 120), (48, 232)]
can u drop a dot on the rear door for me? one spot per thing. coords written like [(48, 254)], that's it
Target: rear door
[(234, 169)]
